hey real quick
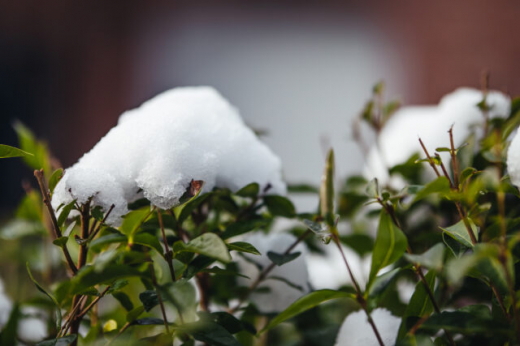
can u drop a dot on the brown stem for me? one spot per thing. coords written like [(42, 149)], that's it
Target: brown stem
[(359, 296), (95, 232), (267, 270), (57, 232), (430, 160), (94, 302), (417, 268), (85, 220), (168, 256), (159, 297), (203, 284)]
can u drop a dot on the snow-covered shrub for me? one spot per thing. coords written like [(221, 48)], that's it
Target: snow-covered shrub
[(168, 233)]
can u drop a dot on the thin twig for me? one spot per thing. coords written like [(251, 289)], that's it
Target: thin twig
[(262, 276), (454, 161), (95, 232), (359, 296), (94, 302), (159, 297), (168, 256), (57, 232)]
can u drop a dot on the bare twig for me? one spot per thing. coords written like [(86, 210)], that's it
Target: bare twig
[(159, 297), (95, 232), (57, 232), (359, 296), (168, 255), (263, 275), (94, 302)]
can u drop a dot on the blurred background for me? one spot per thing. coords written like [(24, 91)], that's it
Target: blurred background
[(300, 70)]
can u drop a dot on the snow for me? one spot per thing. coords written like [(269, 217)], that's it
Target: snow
[(280, 294), (356, 330), (157, 149), (398, 140), (513, 160)]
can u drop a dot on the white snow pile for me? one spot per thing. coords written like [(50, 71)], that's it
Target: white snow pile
[(398, 140), (183, 134), (513, 160), (279, 295), (356, 330)]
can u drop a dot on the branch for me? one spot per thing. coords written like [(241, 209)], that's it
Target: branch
[(57, 232), (168, 256)]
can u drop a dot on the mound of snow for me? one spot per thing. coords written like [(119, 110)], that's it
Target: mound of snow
[(279, 294), (513, 160), (356, 330), (180, 135), (398, 140)]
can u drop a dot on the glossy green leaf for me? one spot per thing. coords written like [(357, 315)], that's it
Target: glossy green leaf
[(420, 304), (431, 259), (210, 333), (279, 206), (133, 220), (242, 246), (10, 330), (250, 191), (148, 240), (459, 232), (208, 244), (389, 246), (51, 297), (7, 151), (54, 179), (440, 185), (305, 303), (149, 299), (281, 259), (64, 213)]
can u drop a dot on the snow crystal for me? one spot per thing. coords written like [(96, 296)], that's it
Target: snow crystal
[(398, 140), (280, 294), (155, 151), (356, 330)]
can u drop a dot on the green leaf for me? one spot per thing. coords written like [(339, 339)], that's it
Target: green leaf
[(232, 324), (149, 321), (208, 244), (305, 303), (362, 244), (65, 211), (210, 333), (148, 240), (459, 232), (279, 206), (51, 297), (440, 185), (470, 320), (99, 243), (133, 220), (281, 259), (455, 247), (389, 246), (242, 246), (135, 313), (40, 158), (431, 259), (220, 271), (327, 190), (97, 213), (420, 304), (7, 151), (241, 227), (124, 300), (87, 277), (8, 334), (63, 341), (382, 281), (54, 179), (301, 188), (149, 299), (183, 211), (61, 241), (250, 191)]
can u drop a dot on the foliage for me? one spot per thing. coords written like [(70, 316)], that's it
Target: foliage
[(173, 274)]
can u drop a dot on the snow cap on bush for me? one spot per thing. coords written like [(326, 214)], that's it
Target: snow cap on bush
[(183, 134), (356, 330), (280, 294), (398, 140)]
